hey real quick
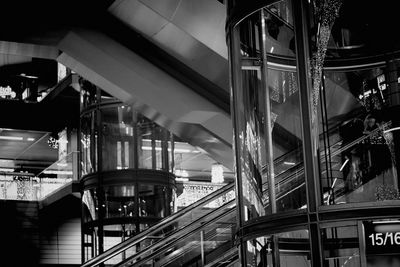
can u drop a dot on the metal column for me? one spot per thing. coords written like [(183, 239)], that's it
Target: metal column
[(309, 131)]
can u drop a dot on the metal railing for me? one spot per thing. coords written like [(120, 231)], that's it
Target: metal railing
[(167, 222)]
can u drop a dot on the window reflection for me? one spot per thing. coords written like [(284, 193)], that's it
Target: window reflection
[(359, 137)]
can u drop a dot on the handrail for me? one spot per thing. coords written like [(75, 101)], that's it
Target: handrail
[(163, 223), (170, 219), (233, 252), (333, 154), (182, 233)]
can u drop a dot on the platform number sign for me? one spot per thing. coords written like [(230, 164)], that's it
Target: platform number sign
[(382, 237)]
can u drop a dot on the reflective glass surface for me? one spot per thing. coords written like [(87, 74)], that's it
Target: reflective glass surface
[(267, 110), (359, 135), (341, 246)]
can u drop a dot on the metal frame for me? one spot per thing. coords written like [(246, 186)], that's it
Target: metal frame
[(317, 216), (99, 178)]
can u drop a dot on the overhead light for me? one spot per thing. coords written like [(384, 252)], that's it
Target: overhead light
[(14, 138), (28, 76), (180, 179), (6, 170), (343, 165), (62, 164), (181, 173), (289, 163), (57, 172), (217, 173), (176, 150), (30, 139)]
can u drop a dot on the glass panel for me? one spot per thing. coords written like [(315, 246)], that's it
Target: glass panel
[(87, 135), (117, 137), (249, 110), (88, 93), (119, 201), (153, 201), (360, 135), (279, 24), (90, 205), (206, 242), (286, 139), (278, 84), (205, 227), (341, 246), (294, 250)]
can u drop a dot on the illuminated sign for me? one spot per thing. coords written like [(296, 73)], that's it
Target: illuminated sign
[(194, 191), (7, 91), (382, 237), (381, 82), (61, 72)]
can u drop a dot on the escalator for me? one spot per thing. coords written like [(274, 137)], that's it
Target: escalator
[(202, 233), (198, 234)]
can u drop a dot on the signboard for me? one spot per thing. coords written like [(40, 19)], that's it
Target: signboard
[(7, 92), (382, 237), (194, 191)]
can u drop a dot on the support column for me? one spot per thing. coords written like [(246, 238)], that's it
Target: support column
[(236, 82), (309, 131)]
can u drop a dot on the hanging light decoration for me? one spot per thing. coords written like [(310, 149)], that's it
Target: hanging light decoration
[(53, 142), (217, 173), (326, 12)]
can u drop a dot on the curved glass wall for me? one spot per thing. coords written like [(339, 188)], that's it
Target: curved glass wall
[(315, 105), (127, 171)]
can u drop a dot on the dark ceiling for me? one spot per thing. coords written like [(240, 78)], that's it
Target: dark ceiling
[(365, 28)]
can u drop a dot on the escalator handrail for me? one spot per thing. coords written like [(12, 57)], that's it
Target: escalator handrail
[(183, 232), (157, 227), (333, 154), (230, 254), (349, 145)]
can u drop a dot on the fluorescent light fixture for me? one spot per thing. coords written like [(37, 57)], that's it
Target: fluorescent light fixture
[(289, 163), (62, 164), (344, 164), (58, 172), (13, 138), (272, 49), (30, 139), (6, 170), (176, 150), (334, 183), (217, 173), (181, 173), (180, 179)]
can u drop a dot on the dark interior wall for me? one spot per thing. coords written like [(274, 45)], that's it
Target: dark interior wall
[(19, 233), (31, 236)]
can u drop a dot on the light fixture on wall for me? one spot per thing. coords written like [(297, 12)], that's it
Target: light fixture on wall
[(217, 173)]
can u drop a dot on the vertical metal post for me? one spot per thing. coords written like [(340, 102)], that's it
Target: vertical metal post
[(309, 131), (100, 188), (164, 149), (268, 132), (268, 120), (79, 172), (203, 259), (153, 148), (361, 240), (135, 144), (236, 82), (171, 139)]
